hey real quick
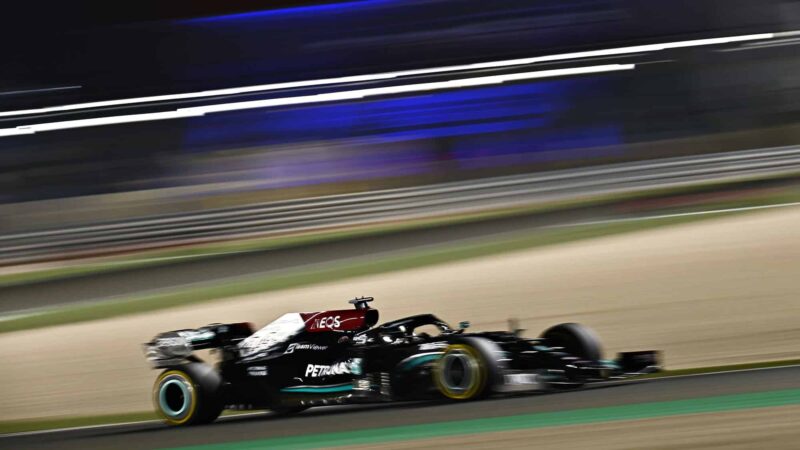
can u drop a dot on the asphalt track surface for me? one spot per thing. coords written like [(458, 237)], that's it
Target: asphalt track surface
[(354, 418)]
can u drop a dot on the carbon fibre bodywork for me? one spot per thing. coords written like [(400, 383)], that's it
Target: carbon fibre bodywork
[(332, 357)]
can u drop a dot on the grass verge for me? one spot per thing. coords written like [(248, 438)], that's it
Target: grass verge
[(18, 426)]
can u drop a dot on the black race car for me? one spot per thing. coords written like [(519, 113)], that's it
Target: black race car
[(333, 357)]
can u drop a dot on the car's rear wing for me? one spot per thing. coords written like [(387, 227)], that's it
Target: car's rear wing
[(173, 348)]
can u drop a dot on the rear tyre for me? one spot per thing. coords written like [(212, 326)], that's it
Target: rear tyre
[(188, 395), (466, 370)]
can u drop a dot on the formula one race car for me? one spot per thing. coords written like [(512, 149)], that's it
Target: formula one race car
[(333, 357)]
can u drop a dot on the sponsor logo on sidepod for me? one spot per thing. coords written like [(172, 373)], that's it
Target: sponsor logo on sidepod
[(303, 346), (346, 367)]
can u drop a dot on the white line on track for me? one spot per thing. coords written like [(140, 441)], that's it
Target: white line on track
[(117, 424), (669, 216), (720, 372)]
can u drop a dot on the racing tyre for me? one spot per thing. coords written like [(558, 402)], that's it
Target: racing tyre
[(467, 370), (576, 339), (188, 395)]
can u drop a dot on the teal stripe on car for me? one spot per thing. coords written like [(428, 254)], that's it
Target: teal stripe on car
[(418, 361), (319, 389)]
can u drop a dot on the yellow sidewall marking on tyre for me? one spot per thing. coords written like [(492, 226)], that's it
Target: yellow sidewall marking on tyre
[(478, 378), (192, 392)]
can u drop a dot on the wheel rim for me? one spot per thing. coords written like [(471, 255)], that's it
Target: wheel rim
[(173, 397), (459, 373)]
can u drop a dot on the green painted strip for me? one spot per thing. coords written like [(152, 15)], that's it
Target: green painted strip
[(319, 390), (526, 421)]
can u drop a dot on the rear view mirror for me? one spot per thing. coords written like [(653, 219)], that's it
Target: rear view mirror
[(463, 325)]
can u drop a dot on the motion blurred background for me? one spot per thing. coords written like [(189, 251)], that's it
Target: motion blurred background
[(156, 157), (695, 99)]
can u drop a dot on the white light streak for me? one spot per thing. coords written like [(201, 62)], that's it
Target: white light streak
[(14, 132), (405, 89), (83, 123), (391, 75), (307, 99)]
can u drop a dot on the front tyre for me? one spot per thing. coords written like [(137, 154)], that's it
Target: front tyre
[(188, 395), (576, 339), (464, 371)]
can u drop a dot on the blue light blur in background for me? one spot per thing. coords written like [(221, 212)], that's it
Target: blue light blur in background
[(472, 128)]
